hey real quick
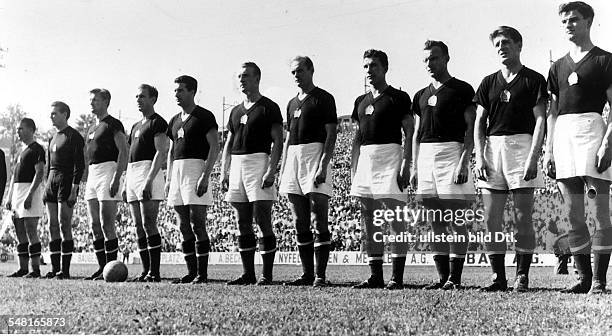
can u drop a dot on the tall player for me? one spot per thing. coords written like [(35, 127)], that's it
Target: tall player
[(248, 172), (191, 158), (306, 173), (508, 136), (25, 199), (144, 180), (444, 117), (578, 148), (64, 172), (379, 166), (106, 153)]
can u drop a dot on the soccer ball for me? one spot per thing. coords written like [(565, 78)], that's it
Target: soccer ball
[(115, 271)]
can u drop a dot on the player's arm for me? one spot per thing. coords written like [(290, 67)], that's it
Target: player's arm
[(480, 125), (169, 166), (403, 179), (276, 132), (604, 155), (226, 160), (284, 156), (39, 172), (461, 172), (122, 159), (355, 151), (531, 168), (415, 152), (79, 167), (160, 141), (213, 144), (331, 130), (9, 195), (551, 120), (3, 174)]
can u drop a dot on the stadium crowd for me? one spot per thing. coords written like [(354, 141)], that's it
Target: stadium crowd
[(344, 217)]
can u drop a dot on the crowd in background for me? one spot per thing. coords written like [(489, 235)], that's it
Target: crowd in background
[(344, 217)]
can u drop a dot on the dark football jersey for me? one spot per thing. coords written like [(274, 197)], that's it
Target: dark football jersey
[(25, 169), (101, 140), (66, 154), (189, 135), (141, 141), (306, 118), (252, 127)]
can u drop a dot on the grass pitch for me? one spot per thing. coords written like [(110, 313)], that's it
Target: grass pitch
[(94, 307)]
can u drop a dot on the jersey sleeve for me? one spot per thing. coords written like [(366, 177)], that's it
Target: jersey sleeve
[(553, 84), (79, 158), (40, 154), (355, 114), (289, 115), (405, 104), (540, 89), (275, 114), (329, 106), (230, 124), (416, 107), (482, 95), (607, 70), (159, 126), (169, 129)]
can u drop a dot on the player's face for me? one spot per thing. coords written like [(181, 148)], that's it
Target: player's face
[(301, 74), (58, 118), (507, 49), (247, 80), (435, 61), (23, 132), (183, 96), (98, 104), (374, 70), (575, 25), (144, 102)]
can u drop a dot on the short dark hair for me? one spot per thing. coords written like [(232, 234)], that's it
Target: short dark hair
[(63, 107), (378, 54), (150, 89), (507, 32), (253, 66), (304, 59), (29, 123), (104, 93), (190, 83), (581, 7), (430, 44)]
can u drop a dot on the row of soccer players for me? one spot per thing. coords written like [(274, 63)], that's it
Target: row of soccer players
[(504, 121)]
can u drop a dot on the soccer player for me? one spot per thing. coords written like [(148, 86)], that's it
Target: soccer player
[(380, 169), (444, 117), (578, 148), (248, 172), (25, 199), (106, 153), (508, 135), (144, 180), (64, 172), (193, 151), (306, 173)]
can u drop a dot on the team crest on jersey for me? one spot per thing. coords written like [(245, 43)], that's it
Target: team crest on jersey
[(137, 134), (432, 101), (180, 133), (244, 119), (92, 135), (505, 96), (297, 113), (369, 110), (54, 148), (572, 79)]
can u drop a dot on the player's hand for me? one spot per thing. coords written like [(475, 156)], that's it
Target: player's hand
[(202, 186), (146, 191), (549, 164), (27, 203), (460, 175), (114, 188), (531, 170), (224, 178), (403, 179), (267, 180), (320, 176), (72, 198), (603, 158), (482, 170), (414, 179)]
